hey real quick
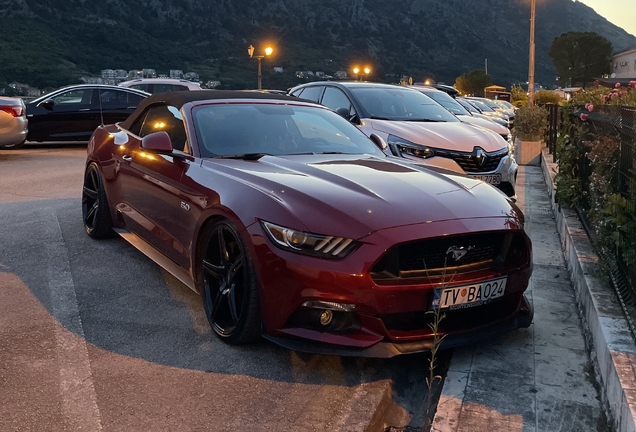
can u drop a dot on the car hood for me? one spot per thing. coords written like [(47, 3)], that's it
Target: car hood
[(455, 136), (354, 195), (485, 123)]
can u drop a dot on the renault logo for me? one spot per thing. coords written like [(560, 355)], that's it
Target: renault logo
[(480, 156), (459, 252)]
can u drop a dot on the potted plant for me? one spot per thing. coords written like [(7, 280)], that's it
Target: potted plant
[(531, 124)]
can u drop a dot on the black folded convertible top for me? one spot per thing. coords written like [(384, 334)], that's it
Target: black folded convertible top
[(179, 98)]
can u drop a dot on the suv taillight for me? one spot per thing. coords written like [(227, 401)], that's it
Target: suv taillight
[(15, 111)]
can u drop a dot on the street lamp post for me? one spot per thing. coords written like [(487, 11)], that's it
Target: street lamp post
[(531, 68), (268, 52)]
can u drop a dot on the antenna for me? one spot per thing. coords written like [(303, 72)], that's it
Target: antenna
[(101, 111)]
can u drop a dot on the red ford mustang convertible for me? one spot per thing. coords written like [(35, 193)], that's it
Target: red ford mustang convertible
[(293, 225)]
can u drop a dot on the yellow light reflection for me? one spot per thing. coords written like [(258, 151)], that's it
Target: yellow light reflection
[(159, 125)]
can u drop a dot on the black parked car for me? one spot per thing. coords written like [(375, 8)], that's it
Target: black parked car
[(73, 113)]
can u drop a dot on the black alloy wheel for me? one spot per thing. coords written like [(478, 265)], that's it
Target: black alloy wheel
[(95, 211), (230, 291)]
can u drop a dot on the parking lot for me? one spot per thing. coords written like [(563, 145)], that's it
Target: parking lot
[(95, 336)]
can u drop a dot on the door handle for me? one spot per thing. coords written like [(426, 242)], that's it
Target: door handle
[(84, 109), (127, 158), (132, 107)]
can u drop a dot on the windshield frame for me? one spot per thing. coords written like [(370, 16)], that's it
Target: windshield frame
[(383, 94), (358, 144)]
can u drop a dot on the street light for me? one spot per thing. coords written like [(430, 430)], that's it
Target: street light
[(268, 52), (531, 68), (356, 71)]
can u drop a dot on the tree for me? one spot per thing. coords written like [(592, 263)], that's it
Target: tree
[(473, 83), (579, 57)]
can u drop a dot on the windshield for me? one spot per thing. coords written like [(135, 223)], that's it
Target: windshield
[(394, 103), (505, 104), (468, 106), (275, 129), (447, 102), (481, 105)]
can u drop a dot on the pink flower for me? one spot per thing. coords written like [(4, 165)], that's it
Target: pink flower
[(632, 84), (617, 85), (587, 105), (583, 116), (590, 107)]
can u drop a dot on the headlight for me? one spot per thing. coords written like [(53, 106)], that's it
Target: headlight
[(316, 245), (406, 148)]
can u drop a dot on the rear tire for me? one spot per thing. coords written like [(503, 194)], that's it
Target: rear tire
[(228, 285), (95, 209)]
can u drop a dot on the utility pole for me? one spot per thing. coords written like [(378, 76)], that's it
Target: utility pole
[(486, 66), (531, 68)]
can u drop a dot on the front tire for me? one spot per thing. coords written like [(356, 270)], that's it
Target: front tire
[(95, 210), (228, 285)]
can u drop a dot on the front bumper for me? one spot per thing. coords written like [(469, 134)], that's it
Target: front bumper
[(288, 280), (522, 318)]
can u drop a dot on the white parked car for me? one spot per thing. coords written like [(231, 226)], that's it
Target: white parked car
[(13, 123)]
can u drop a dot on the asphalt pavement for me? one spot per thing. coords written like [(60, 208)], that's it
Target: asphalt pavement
[(96, 337), (539, 379)]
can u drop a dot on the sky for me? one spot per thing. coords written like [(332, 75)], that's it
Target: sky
[(619, 12)]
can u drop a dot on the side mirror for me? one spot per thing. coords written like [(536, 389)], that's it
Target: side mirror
[(47, 104), (379, 142), (157, 142), (343, 112)]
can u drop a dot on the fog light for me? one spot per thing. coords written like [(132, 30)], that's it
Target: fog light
[(326, 317)]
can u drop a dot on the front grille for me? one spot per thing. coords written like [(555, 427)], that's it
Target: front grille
[(470, 164), (452, 254), (433, 253)]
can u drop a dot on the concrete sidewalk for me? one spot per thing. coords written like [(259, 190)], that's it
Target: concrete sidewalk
[(537, 379)]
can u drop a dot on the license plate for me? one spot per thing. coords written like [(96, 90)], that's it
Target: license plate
[(466, 296), (493, 179)]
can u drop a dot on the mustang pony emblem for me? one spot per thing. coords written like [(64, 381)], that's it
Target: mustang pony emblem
[(459, 251)]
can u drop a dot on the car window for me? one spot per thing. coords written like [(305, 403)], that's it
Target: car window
[(110, 98), (335, 98), (297, 93), (400, 104), (162, 88), (135, 128), (312, 93), (276, 129), (447, 102), (143, 87), (133, 99), (74, 97), (163, 118)]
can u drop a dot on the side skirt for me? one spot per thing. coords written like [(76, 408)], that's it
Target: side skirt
[(152, 253)]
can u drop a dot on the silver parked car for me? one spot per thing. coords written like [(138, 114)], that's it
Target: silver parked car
[(13, 123)]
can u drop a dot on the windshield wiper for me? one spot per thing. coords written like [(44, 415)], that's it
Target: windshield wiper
[(244, 156)]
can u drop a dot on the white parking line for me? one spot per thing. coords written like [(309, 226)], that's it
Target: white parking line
[(77, 391)]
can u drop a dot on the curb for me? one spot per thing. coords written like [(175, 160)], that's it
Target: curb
[(606, 331)]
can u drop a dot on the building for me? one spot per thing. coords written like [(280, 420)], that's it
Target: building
[(176, 73), (320, 74), (340, 74), (213, 84), (148, 73), (92, 80), (624, 63), (134, 74), (278, 69), (191, 76), (108, 74), (24, 89), (121, 74)]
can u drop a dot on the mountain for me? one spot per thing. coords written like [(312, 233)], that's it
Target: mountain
[(52, 42)]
